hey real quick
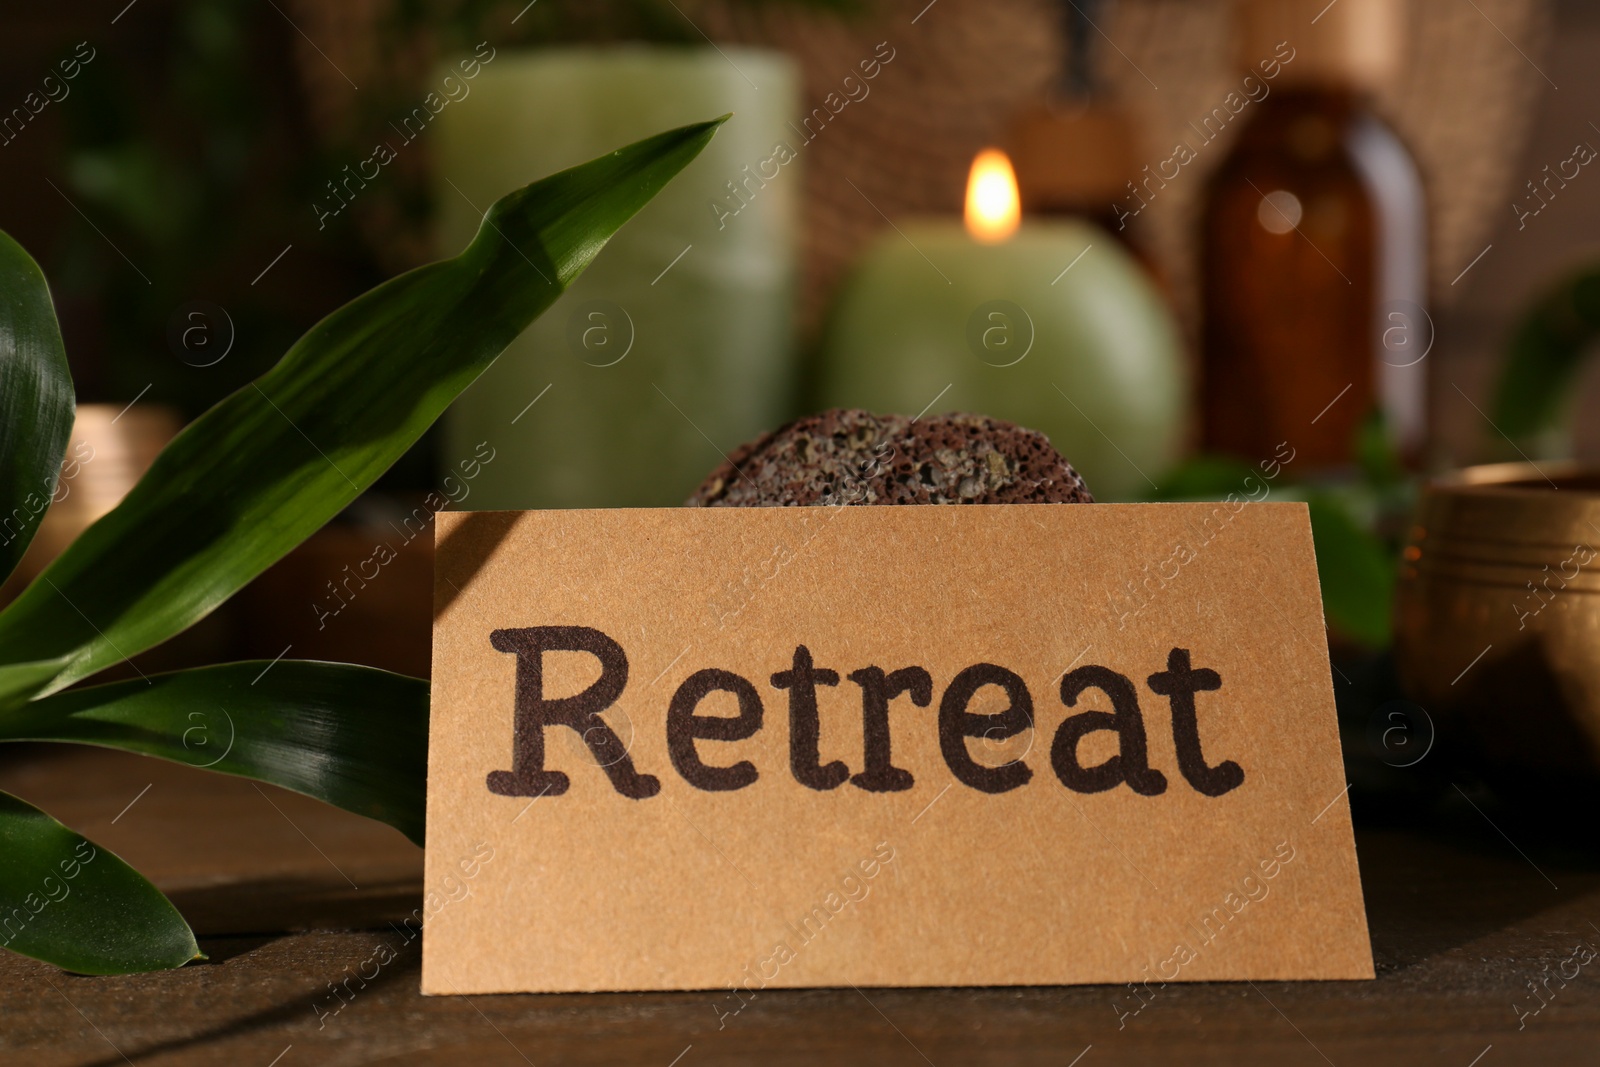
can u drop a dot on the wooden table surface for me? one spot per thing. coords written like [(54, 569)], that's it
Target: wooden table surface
[(287, 894)]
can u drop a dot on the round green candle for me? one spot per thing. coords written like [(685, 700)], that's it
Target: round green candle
[(676, 344), (1054, 328)]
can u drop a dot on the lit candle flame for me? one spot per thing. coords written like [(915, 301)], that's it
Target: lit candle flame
[(994, 210)]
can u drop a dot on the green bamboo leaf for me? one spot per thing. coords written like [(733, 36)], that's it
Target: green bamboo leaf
[(355, 737), (261, 471), (36, 401), (73, 903)]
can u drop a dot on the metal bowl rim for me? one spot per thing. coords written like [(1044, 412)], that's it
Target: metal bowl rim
[(1509, 479)]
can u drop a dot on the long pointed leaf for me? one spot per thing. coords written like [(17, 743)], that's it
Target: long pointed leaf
[(261, 471), (36, 401), (70, 902), (355, 737)]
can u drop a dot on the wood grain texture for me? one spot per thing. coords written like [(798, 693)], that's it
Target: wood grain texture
[(1460, 924)]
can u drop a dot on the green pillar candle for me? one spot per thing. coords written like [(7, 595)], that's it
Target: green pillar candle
[(676, 344), (1053, 327)]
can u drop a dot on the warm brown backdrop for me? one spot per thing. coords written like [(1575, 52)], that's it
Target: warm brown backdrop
[(1495, 90)]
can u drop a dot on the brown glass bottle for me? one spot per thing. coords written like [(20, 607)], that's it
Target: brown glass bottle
[(1313, 255)]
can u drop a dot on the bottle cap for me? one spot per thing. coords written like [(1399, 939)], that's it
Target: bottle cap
[(1071, 155), (1354, 43)]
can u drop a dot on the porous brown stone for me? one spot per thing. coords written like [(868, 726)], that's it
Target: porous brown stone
[(856, 457)]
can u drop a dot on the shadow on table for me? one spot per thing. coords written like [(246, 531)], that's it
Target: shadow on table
[(1461, 874), (272, 906), (406, 967)]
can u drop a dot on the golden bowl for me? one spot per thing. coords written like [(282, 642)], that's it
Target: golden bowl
[(1497, 629)]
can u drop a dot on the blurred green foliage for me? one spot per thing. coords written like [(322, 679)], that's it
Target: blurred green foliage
[(186, 170), (191, 153), (1357, 522), (462, 23), (1534, 398)]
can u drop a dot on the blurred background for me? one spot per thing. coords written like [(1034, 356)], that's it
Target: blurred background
[(1272, 247)]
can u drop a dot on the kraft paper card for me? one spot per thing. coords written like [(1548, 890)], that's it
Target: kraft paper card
[(741, 749)]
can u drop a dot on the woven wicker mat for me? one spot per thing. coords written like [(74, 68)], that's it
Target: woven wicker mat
[(961, 70)]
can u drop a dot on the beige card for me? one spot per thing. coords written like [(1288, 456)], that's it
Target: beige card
[(737, 749)]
